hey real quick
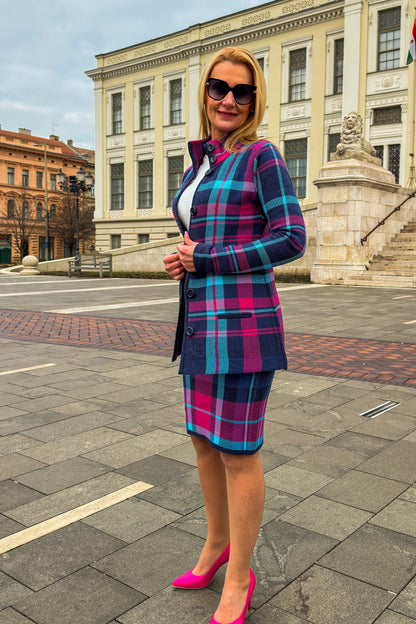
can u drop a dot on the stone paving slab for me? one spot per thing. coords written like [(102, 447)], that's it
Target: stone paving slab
[(337, 541)]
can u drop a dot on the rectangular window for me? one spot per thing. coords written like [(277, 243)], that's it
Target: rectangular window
[(260, 61), (10, 175), (53, 182), (175, 172), (338, 65), (143, 238), (117, 113), (295, 156), (115, 241), (389, 39), (297, 75), (145, 184), (175, 101), (394, 161), (39, 179), (42, 248), (380, 152), (387, 115), (25, 177), (145, 103), (117, 187), (333, 140)]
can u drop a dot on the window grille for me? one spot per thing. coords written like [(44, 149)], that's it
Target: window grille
[(260, 61), (389, 39), (39, 179), (333, 140), (10, 175), (117, 113), (53, 182), (387, 115), (143, 238), (117, 186), (175, 101), (25, 177), (394, 161), (175, 172), (10, 209), (39, 211), (297, 75), (296, 161), (145, 116), (338, 65), (380, 152), (145, 184), (52, 212)]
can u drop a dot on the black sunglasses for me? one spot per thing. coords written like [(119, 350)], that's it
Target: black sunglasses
[(218, 89)]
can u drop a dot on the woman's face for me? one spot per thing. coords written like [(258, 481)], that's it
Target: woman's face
[(226, 115)]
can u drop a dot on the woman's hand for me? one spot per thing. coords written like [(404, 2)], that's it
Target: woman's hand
[(186, 253), (174, 266)]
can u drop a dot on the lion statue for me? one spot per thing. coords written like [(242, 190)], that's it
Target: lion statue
[(353, 145)]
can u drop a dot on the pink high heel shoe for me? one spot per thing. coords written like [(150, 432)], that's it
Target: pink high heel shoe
[(189, 580), (247, 606)]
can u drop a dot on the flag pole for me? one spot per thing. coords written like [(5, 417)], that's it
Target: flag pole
[(411, 183)]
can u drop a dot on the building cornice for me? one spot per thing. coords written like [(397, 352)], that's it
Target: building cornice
[(270, 27)]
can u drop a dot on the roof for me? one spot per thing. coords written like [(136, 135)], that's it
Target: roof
[(65, 149)]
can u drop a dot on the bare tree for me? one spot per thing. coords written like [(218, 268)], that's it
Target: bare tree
[(65, 223), (18, 219)]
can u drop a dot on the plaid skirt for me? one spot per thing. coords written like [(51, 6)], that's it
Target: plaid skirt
[(228, 410)]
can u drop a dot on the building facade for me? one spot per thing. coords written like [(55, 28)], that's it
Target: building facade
[(25, 161), (321, 60)]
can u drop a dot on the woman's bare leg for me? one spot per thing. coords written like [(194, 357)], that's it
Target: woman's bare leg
[(246, 492), (214, 490)]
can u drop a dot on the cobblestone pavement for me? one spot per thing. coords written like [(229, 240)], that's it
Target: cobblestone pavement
[(369, 360), (100, 506)]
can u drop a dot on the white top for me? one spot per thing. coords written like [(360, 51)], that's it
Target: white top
[(186, 199)]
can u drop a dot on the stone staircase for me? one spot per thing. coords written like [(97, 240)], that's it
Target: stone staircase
[(394, 266)]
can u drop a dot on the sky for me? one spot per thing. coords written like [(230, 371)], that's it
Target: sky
[(47, 45)]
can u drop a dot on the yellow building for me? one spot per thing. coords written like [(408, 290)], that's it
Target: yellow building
[(321, 59)]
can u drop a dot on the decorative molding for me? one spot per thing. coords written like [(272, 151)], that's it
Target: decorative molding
[(221, 40), (174, 132), (116, 214), (144, 136), (116, 141), (144, 212)]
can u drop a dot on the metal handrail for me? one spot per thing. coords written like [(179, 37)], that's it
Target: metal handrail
[(382, 222)]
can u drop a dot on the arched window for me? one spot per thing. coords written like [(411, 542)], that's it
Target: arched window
[(39, 211), (52, 212), (10, 209), (25, 210)]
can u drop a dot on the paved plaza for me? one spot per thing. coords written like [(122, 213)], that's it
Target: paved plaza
[(100, 506)]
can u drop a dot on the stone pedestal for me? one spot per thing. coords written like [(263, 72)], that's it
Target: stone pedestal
[(353, 196), (30, 266)]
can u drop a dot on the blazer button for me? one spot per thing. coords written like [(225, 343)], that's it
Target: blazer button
[(212, 159), (210, 147), (190, 293), (193, 211), (189, 331)]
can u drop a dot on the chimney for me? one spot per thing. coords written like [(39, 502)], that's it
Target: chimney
[(25, 131), (70, 143), (53, 137)]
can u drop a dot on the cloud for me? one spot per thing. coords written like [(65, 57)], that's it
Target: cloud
[(25, 108), (78, 117)]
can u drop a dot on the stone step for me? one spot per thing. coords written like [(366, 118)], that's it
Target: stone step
[(380, 280), (398, 268), (401, 256), (407, 272)]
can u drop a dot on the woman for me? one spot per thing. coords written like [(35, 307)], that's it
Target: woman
[(239, 216)]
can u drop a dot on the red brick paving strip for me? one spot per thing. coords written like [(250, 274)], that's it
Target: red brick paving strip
[(376, 361)]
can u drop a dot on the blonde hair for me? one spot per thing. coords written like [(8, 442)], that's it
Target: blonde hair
[(247, 133)]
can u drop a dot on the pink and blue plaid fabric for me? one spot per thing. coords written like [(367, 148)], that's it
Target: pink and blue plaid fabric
[(228, 410), (246, 220)]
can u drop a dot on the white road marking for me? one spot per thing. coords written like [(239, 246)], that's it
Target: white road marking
[(402, 297), (113, 306), (21, 282), (409, 322), (301, 286), (24, 370), (74, 515), (71, 290)]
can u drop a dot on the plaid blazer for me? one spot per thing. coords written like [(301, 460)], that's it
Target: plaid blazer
[(246, 220)]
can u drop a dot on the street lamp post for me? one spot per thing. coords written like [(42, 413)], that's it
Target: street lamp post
[(78, 185), (46, 202)]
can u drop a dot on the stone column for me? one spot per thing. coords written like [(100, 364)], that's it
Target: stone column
[(352, 40), (353, 196)]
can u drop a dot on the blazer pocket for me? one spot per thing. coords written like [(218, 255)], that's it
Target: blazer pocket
[(234, 315)]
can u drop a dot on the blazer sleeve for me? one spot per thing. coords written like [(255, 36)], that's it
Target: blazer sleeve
[(286, 236)]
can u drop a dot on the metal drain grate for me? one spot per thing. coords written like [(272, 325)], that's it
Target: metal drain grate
[(380, 409)]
